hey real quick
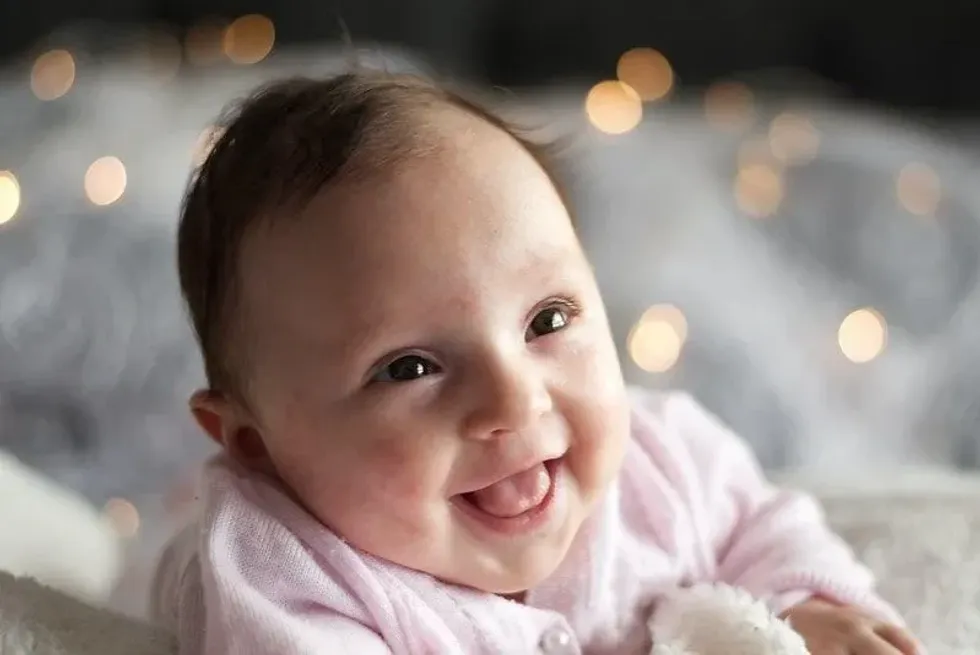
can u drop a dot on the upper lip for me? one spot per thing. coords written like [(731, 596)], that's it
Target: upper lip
[(503, 472)]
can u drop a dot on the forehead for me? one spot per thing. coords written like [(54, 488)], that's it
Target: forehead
[(478, 208)]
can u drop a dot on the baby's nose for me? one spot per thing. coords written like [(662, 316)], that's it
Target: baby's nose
[(511, 400)]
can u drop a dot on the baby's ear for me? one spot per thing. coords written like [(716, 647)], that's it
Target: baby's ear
[(210, 409), (230, 427)]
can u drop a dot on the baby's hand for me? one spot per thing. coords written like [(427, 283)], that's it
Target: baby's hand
[(830, 629)]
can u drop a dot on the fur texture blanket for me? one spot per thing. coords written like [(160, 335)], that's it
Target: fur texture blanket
[(922, 544)]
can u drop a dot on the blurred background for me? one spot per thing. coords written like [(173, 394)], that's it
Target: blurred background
[(780, 199)]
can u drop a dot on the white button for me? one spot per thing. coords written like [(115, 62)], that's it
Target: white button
[(557, 641)]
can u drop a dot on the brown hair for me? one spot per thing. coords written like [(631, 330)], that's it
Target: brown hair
[(278, 148)]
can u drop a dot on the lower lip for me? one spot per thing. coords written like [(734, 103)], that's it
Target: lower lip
[(524, 523)]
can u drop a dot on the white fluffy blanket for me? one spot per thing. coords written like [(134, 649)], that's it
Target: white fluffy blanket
[(923, 544), (52, 534), (36, 620)]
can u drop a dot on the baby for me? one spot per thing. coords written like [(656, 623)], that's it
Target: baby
[(427, 443)]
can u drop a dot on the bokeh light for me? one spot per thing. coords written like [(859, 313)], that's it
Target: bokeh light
[(863, 335), (614, 107), (729, 105), (9, 196), (53, 74), (647, 72), (249, 39), (123, 516), (656, 341), (793, 139), (758, 190), (918, 189), (105, 181)]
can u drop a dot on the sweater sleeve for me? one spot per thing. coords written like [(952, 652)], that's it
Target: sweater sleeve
[(772, 542)]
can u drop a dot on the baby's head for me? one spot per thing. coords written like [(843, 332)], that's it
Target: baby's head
[(399, 324)]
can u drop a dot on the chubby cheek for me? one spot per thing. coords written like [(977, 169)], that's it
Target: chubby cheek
[(392, 482), (401, 474), (596, 408), (600, 433)]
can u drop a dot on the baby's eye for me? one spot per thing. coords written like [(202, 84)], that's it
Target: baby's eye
[(406, 369), (548, 320)]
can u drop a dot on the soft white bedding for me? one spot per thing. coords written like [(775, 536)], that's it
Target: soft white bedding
[(54, 535), (38, 620), (919, 531)]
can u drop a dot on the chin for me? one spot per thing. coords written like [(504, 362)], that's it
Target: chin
[(523, 570), (517, 583), (525, 580)]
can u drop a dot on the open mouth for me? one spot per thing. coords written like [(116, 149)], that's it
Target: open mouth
[(516, 503)]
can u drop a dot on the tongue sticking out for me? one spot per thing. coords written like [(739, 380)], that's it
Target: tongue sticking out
[(514, 495)]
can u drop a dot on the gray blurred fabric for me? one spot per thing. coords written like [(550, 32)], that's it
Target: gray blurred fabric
[(96, 359)]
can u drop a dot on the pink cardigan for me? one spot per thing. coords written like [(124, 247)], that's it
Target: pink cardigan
[(256, 575)]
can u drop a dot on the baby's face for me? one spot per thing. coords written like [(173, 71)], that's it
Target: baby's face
[(434, 376)]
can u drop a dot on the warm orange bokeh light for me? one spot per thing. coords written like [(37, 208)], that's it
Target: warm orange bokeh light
[(53, 74), (9, 196), (758, 190), (862, 335), (249, 39), (647, 72), (105, 181), (918, 189), (613, 107), (656, 341)]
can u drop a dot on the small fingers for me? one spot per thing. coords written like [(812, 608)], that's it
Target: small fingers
[(870, 643), (900, 638)]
